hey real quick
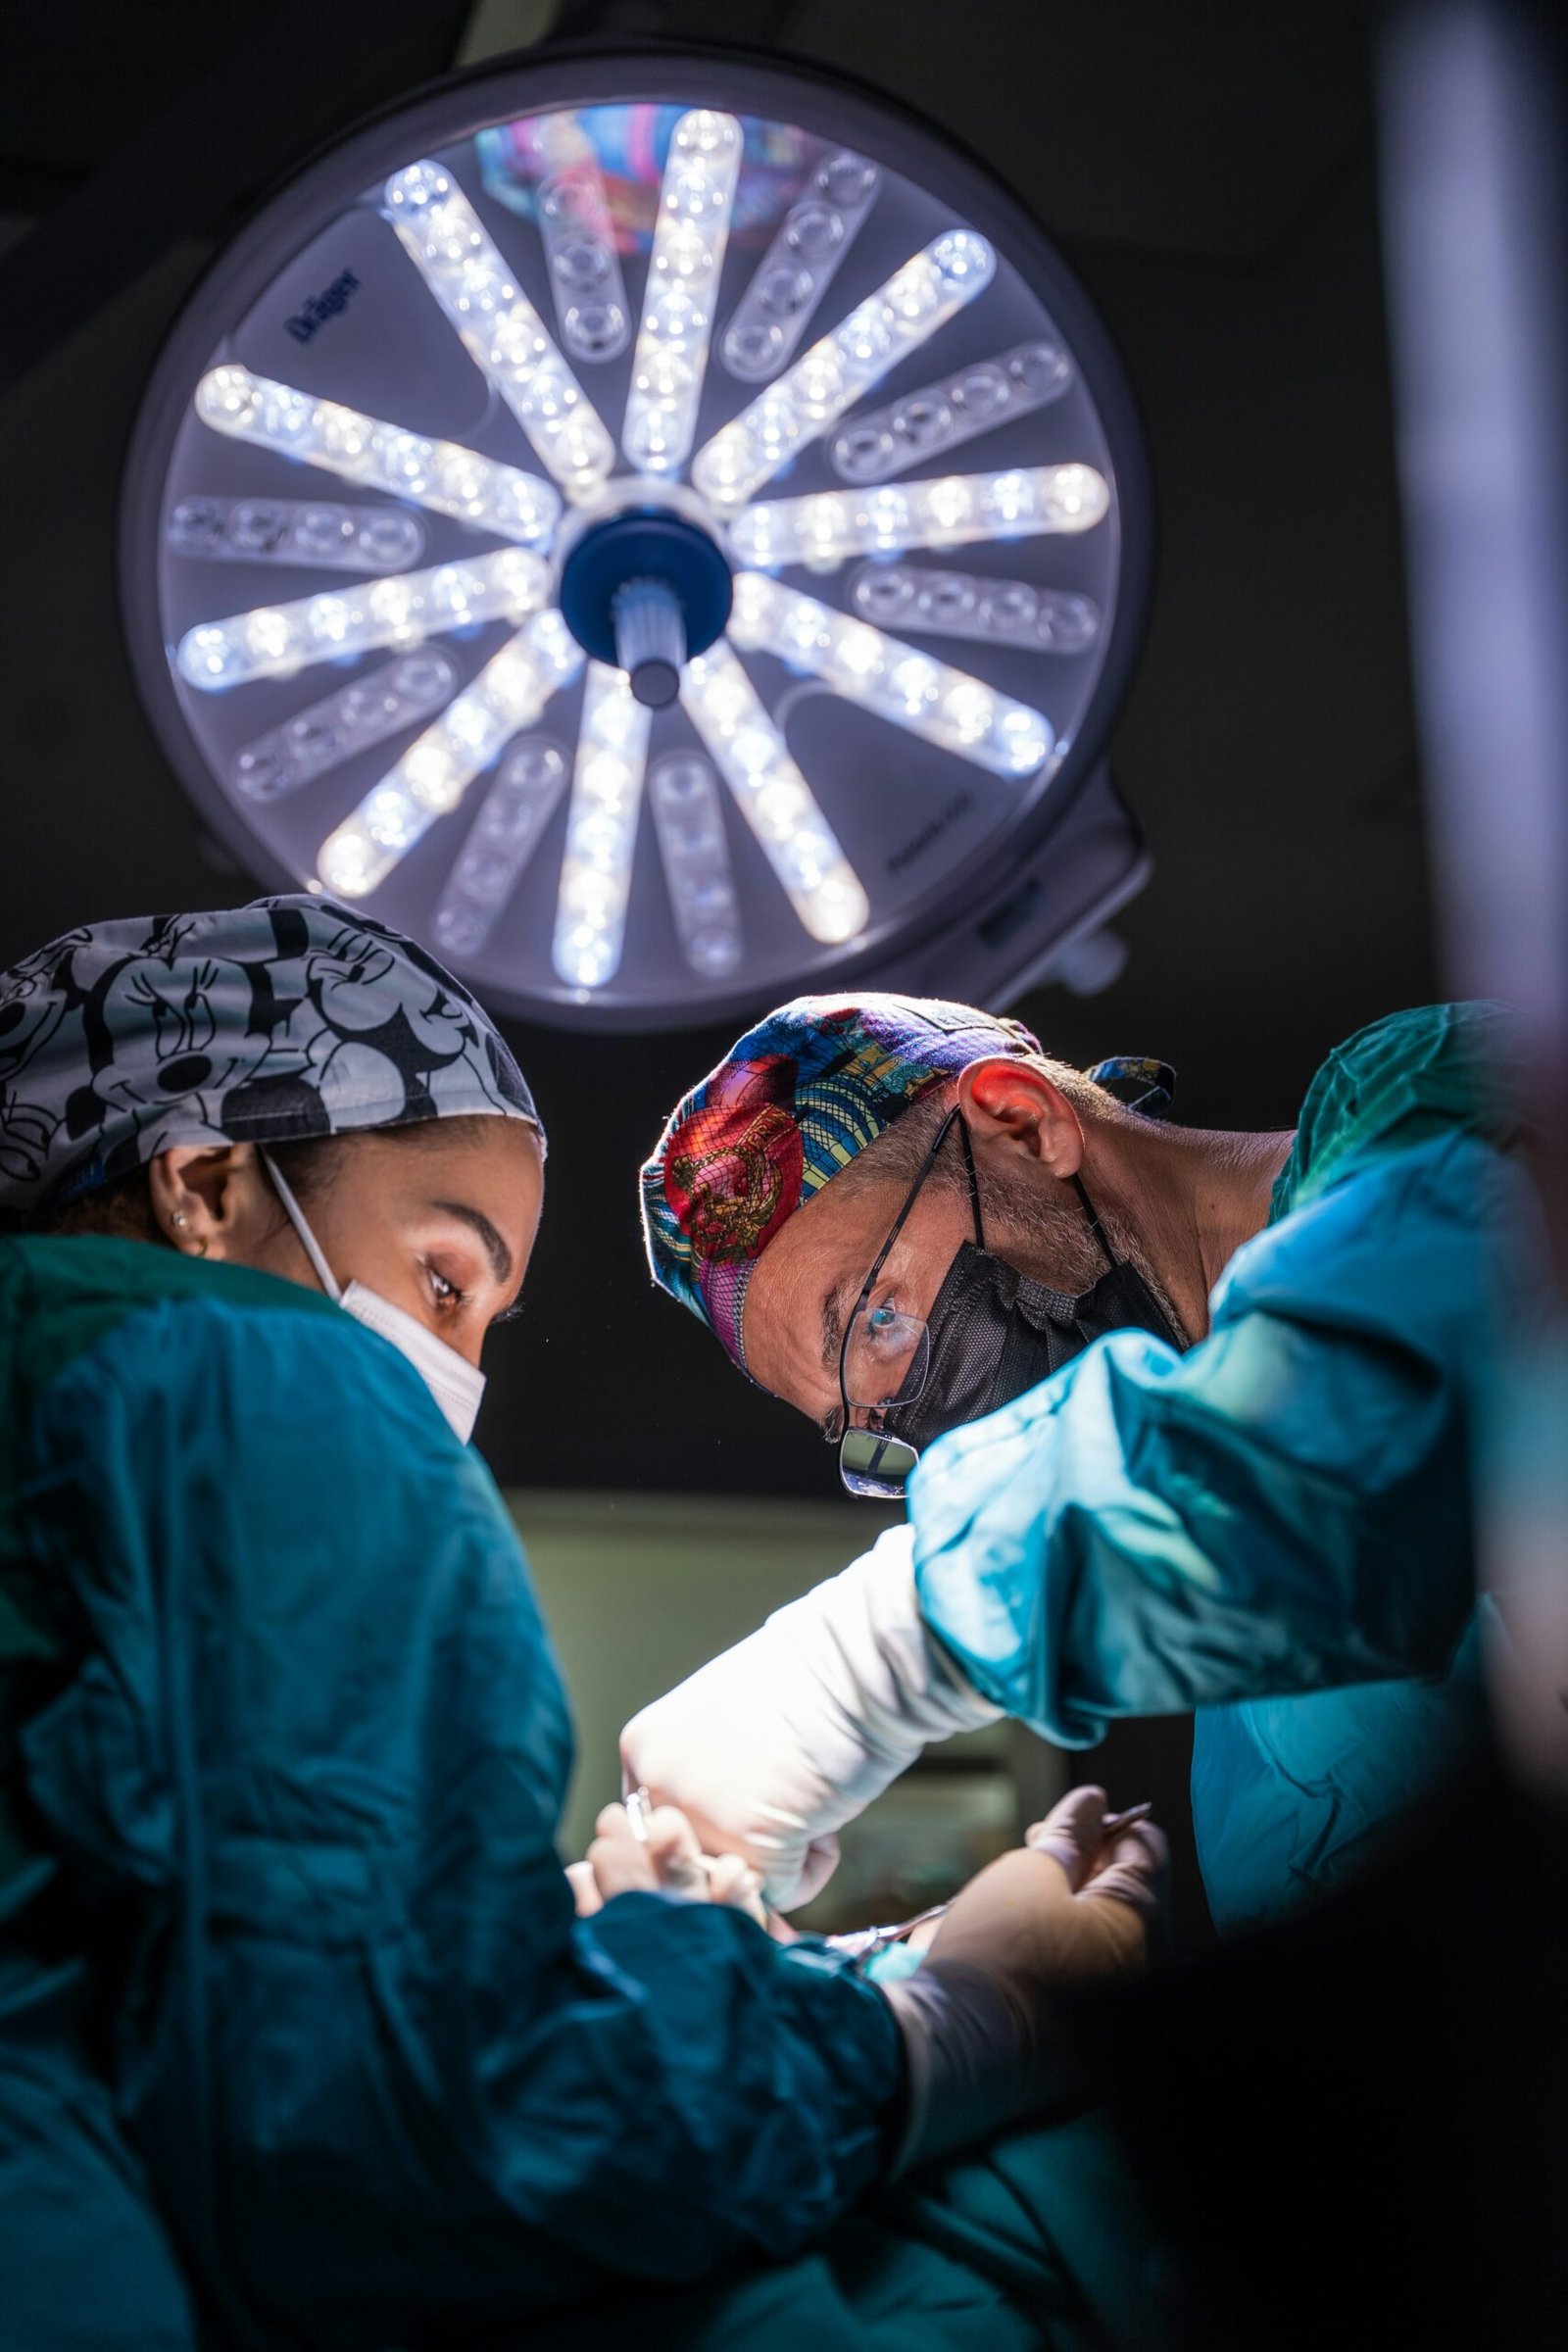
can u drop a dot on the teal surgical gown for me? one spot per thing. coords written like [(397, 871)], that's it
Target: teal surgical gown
[(1274, 1529), (296, 2018)]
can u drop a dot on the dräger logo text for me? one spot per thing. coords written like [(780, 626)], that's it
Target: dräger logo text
[(315, 313), (928, 834)]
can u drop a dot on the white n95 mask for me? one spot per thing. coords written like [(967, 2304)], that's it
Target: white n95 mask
[(456, 1385)]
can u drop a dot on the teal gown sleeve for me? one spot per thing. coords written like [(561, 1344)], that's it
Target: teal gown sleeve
[(308, 1772), (1284, 1507)]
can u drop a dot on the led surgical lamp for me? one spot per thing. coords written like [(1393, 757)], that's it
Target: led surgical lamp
[(601, 435)]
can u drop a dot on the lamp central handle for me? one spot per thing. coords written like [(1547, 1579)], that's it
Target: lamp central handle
[(650, 639)]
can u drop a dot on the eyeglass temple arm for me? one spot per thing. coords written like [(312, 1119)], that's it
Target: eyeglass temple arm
[(1095, 1226), (970, 1170)]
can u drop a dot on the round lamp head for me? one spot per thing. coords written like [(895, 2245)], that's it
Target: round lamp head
[(666, 532)]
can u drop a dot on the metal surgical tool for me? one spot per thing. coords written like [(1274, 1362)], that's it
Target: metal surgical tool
[(639, 1805)]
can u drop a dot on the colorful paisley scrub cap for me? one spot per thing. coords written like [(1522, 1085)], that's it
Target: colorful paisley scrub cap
[(789, 1105), (287, 1018)]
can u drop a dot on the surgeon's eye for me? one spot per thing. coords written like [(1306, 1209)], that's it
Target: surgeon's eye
[(886, 1330)]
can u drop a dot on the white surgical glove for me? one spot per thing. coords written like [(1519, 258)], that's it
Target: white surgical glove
[(772, 1747)]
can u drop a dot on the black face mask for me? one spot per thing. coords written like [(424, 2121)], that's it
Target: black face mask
[(994, 1334)]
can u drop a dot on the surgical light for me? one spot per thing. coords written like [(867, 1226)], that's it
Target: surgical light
[(696, 552)]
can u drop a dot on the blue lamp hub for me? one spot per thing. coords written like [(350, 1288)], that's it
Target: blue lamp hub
[(645, 590)]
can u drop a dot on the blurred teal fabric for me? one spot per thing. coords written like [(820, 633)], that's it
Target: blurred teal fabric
[(1037, 2241), (1273, 1530)]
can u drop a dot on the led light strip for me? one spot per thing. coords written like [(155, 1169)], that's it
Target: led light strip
[(792, 276), (295, 531), (773, 796), (606, 788), (952, 512), (500, 842), (689, 822), (442, 475), (968, 604), (272, 641), (936, 418), (579, 242), (814, 393), (437, 769), (684, 266), (930, 699), (500, 328), (343, 725)]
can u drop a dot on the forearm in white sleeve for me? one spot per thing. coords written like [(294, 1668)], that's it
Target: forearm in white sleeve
[(775, 1744)]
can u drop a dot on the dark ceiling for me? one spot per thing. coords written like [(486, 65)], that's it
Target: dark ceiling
[(1208, 170)]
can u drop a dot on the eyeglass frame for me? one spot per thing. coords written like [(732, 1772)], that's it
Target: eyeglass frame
[(870, 1284)]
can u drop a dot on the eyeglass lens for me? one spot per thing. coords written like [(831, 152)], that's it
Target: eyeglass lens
[(885, 1358), (873, 1464)]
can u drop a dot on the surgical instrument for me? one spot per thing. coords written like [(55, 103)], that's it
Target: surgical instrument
[(859, 1943)]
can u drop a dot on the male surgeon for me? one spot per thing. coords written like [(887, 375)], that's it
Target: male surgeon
[(1183, 1417)]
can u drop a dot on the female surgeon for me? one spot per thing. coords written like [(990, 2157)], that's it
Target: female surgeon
[(302, 2039)]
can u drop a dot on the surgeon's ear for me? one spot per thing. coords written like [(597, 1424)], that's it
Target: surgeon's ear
[(211, 1200), (1013, 1108)]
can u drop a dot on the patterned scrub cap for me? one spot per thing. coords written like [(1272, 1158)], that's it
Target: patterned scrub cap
[(791, 1104), (286, 1018)]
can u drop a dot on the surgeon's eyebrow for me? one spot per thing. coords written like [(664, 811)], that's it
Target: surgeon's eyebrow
[(495, 1248), (834, 1304)]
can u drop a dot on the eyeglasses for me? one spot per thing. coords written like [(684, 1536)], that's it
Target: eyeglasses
[(884, 1355)]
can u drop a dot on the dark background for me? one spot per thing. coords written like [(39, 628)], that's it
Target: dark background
[(1209, 173)]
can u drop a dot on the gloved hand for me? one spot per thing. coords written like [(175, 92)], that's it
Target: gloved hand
[(1102, 1903), (772, 1747), (667, 1860)]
